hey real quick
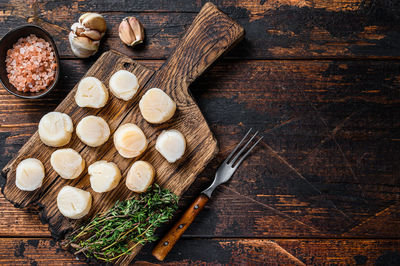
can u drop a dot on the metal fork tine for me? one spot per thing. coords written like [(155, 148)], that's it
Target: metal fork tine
[(242, 149), (225, 170), (247, 153), (237, 146)]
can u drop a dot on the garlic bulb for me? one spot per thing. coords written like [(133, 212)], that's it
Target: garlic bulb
[(131, 31), (86, 34)]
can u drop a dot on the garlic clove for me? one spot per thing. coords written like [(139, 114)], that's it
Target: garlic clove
[(131, 31), (137, 29), (125, 33), (83, 16), (82, 47), (92, 34), (93, 21), (79, 31), (77, 28), (85, 43)]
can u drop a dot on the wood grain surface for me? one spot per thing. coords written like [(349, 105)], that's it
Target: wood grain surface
[(209, 36), (225, 251), (330, 121), (274, 29)]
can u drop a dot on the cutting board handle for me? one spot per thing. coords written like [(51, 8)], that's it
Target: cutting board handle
[(209, 36)]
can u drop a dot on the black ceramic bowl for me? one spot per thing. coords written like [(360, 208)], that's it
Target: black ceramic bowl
[(7, 42)]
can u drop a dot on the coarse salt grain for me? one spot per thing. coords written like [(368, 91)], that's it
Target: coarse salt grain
[(31, 65)]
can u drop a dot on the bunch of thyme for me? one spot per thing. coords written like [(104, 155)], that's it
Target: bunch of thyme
[(127, 224)]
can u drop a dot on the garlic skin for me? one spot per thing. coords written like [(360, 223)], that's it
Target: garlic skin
[(82, 47), (86, 34), (131, 31), (93, 21)]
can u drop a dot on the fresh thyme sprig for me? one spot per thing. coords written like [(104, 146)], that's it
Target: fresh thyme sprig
[(127, 224)]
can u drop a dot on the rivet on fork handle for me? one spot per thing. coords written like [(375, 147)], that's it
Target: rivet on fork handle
[(170, 239)]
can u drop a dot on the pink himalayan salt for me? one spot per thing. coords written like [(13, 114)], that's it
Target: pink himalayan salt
[(31, 64)]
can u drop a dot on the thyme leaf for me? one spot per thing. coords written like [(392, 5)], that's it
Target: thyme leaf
[(127, 224)]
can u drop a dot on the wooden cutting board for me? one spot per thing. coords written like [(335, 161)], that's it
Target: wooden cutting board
[(209, 36)]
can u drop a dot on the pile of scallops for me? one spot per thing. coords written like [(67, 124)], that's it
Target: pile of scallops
[(55, 130)]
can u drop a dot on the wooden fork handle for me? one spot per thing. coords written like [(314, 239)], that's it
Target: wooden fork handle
[(169, 240)]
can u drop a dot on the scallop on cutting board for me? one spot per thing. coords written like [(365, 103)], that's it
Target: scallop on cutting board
[(209, 36)]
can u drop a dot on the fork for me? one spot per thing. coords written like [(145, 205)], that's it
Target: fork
[(224, 173)]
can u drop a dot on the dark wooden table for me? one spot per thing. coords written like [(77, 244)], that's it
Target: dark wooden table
[(320, 79)]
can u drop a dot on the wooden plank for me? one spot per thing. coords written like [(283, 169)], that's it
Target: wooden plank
[(35, 252), (20, 223), (226, 251), (324, 82), (274, 29), (306, 110), (343, 251), (228, 215), (194, 6), (321, 127), (284, 251)]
